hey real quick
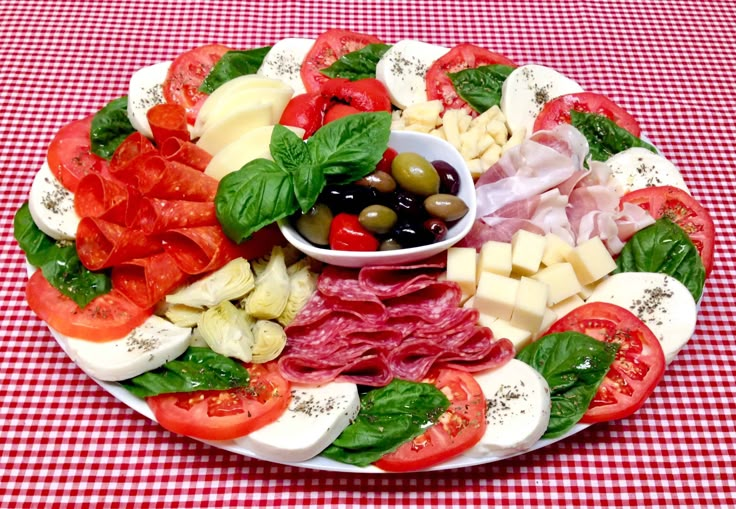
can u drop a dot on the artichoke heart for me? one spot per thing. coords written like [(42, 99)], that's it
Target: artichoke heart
[(269, 341), (227, 331), (271, 293), (183, 316), (290, 253), (232, 281), (302, 285)]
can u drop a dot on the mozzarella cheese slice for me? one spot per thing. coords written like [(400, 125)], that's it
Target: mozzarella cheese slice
[(144, 92), (525, 92), (664, 304), (284, 62), (148, 347), (52, 206), (314, 419), (235, 125), (517, 409), (637, 168), (403, 69)]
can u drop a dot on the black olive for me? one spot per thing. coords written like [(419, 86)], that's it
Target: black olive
[(412, 235), (449, 178), (436, 227), (348, 198), (406, 205)]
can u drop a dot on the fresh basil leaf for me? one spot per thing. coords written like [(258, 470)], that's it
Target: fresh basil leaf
[(291, 153), (574, 366), (349, 148), (604, 136), (481, 87), (110, 126), (58, 261), (388, 417), (664, 247), (233, 64), (197, 369), (256, 195), (357, 65)]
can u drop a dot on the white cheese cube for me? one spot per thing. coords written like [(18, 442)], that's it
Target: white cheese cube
[(555, 249), (531, 303), (591, 260), (526, 252), (562, 281), (565, 306), (504, 329), (587, 290), (549, 318), (495, 257), (461, 262), (496, 295)]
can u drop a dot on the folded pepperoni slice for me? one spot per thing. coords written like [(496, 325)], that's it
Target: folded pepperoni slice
[(154, 215), (102, 244), (156, 177), (131, 148), (104, 198), (168, 120), (185, 152), (145, 281)]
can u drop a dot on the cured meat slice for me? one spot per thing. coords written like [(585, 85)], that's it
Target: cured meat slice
[(102, 244), (199, 249), (427, 304), (500, 352), (168, 120), (343, 291), (185, 152), (131, 148), (391, 281), (154, 215), (145, 281), (158, 178), (367, 369), (104, 198)]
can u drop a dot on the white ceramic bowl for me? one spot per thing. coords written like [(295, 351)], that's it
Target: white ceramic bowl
[(432, 148)]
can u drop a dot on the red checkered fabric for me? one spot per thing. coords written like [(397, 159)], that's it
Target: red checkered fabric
[(67, 442)]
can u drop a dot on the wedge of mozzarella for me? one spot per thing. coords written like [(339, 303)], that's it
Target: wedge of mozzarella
[(148, 347), (403, 69), (637, 168), (314, 419), (525, 92), (517, 409), (144, 92), (52, 206), (284, 62), (664, 304)]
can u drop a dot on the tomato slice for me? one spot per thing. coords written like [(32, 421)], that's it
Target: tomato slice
[(327, 49), (557, 111), (186, 75), (458, 429), (462, 56), (69, 155), (228, 414), (681, 208), (639, 363), (107, 317)]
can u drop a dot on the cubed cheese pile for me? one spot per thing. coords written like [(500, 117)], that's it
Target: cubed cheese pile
[(481, 140), (520, 288)]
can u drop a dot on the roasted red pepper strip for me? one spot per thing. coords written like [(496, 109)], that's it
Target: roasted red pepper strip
[(347, 234), (306, 111)]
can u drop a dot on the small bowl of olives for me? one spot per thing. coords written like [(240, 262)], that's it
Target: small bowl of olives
[(417, 206)]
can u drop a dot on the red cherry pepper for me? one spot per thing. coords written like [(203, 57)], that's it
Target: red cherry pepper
[(339, 110), (388, 157), (306, 111), (347, 234), (367, 94)]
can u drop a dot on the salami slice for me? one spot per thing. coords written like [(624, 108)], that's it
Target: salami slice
[(104, 198), (185, 152), (154, 215), (158, 178), (343, 292), (391, 281), (367, 369), (413, 359), (296, 368), (102, 244), (145, 281), (131, 148), (501, 351), (168, 120), (428, 304)]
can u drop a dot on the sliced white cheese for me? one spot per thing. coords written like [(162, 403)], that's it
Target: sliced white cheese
[(284, 62), (235, 125), (314, 419), (403, 69), (144, 92), (52, 206), (664, 304), (637, 168), (148, 347), (527, 89), (517, 409)]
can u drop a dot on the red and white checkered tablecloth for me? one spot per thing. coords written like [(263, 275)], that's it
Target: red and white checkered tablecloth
[(65, 441)]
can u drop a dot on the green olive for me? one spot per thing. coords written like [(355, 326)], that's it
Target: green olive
[(380, 181), (314, 225), (377, 219), (389, 245), (415, 174), (447, 207)]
